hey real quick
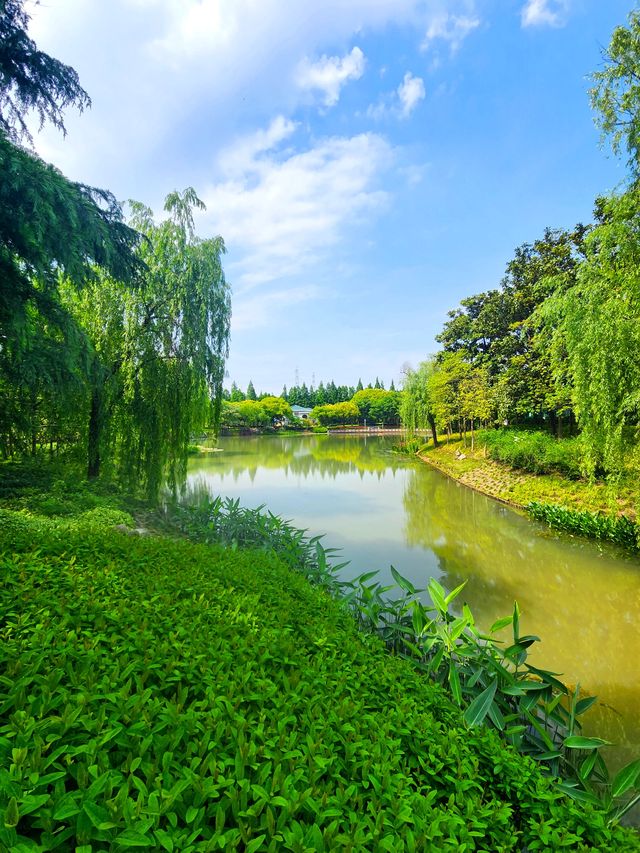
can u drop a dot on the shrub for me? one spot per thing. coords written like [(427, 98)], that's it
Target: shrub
[(175, 696), (535, 452)]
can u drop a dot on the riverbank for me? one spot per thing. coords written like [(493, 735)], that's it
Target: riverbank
[(203, 697), (474, 469)]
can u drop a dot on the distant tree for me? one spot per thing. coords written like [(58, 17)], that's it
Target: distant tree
[(245, 413), (359, 386), (276, 408), (251, 392), (236, 394), (336, 413), (392, 387), (284, 394)]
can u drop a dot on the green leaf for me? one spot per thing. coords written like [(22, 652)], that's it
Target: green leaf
[(579, 742), (454, 593), (131, 838), (579, 794), (626, 779), (436, 591), (255, 843), (479, 708), (402, 582), (499, 624), (454, 682)]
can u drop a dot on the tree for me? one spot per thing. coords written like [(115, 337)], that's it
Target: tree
[(497, 330), (276, 408), (333, 414), (158, 351), (251, 392), (615, 94), (476, 399), (49, 227), (31, 79), (594, 331), (417, 409)]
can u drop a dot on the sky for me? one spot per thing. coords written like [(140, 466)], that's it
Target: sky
[(369, 163)]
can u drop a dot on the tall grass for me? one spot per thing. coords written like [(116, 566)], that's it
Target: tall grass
[(534, 451)]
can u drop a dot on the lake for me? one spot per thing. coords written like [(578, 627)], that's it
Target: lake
[(581, 597)]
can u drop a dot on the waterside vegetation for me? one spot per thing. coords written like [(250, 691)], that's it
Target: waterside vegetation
[(243, 707)]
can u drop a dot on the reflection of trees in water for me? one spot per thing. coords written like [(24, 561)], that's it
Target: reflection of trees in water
[(581, 598), (323, 456), (453, 522)]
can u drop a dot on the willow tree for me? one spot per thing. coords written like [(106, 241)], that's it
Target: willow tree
[(416, 404), (594, 328), (158, 350)]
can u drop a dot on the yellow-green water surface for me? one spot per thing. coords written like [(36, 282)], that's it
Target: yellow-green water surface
[(580, 597)]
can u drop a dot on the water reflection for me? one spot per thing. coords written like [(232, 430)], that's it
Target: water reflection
[(580, 597)]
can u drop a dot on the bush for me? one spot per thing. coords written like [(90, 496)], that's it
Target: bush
[(533, 451), (175, 696)]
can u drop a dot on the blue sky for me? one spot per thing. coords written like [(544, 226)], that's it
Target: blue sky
[(369, 163)]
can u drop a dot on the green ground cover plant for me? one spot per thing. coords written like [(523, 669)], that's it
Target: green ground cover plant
[(620, 530), (165, 694)]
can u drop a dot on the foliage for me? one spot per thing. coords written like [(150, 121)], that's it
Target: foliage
[(534, 711), (596, 525), (417, 410), (242, 415), (496, 330), (534, 451), (31, 79), (595, 327), (276, 408), (208, 698), (49, 224), (158, 351), (615, 95), (336, 413), (378, 405)]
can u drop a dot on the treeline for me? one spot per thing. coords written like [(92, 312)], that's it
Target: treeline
[(113, 335), (301, 395), (367, 406), (557, 342)]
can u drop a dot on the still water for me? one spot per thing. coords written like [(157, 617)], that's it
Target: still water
[(580, 597)]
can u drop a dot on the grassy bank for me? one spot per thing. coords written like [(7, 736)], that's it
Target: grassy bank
[(165, 694), (519, 487)]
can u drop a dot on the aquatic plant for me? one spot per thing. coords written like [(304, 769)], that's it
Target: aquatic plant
[(596, 525)]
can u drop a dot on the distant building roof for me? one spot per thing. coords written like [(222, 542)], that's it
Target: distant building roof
[(301, 409)]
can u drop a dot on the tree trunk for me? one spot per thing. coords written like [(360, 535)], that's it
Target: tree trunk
[(95, 429), (432, 424)]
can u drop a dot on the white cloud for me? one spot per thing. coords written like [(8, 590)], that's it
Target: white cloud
[(450, 28), (410, 92), (282, 213), (537, 13), (257, 310), (330, 74), (400, 103)]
